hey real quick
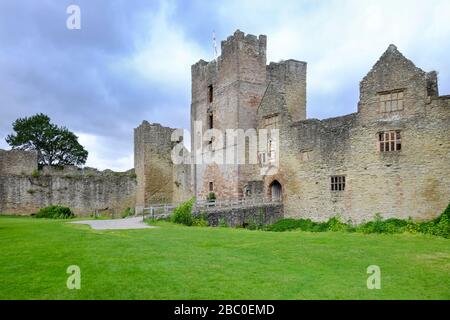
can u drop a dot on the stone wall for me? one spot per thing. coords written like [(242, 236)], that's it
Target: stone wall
[(288, 79), (24, 190), (412, 182), (247, 93), (242, 216), (159, 179), (16, 162)]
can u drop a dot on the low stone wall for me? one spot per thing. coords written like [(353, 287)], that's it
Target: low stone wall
[(241, 216)]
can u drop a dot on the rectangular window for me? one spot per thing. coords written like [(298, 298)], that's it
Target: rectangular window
[(210, 93), (389, 141), (337, 183), (211, 186), (391, 101), (262, 158), (210, 121)]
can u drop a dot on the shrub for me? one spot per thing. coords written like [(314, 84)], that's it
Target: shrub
[(200, 222), (223, 223), (443, 226), (252, 226), (128, 212), (211, 197), (384, 226), (183, 213), (335, 224), (411, 227), (55, 212), (293, 224), (438, 227), (36, 173)]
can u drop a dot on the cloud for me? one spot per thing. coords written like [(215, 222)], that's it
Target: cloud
[(131, 60), (341, 40), (165, 54), (104, 156)]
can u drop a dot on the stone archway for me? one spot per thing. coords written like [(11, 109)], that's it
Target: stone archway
[(275, 191)]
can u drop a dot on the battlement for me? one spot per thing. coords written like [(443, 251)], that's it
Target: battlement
[(286, 71), (249, 44), (203, 69), (239, 41)]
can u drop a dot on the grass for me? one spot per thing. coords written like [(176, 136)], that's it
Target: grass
[(178, 262)]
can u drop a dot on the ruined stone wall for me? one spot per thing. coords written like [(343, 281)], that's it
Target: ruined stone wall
[(153, 164), (412, 182), (24, 192), (288, 78), (243, 216), (159, 179), (16, 162)]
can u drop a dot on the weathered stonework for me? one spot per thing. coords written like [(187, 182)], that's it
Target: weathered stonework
[(159, 180), (17, 162), (244, 216), (414, 181), (247, 93), (24, 190)]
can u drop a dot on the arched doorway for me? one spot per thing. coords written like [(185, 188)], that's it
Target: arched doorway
[(275, 190)]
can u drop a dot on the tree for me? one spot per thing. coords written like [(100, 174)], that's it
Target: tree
[(54, 145)]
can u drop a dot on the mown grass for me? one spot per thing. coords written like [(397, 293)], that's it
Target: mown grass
[(178, 262)]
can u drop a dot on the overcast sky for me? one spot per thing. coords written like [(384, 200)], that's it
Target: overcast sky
[(131, 59)]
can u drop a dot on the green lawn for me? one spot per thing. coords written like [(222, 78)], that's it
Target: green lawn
[(176, 262)]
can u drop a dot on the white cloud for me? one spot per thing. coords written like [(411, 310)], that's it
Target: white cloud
[(341, 40), (102, 153), (166, 54)]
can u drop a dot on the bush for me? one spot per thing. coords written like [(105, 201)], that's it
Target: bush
[(335, 224), (128, 212), (183, 213), (442, 228), (211, 197), (200, 222), (55, 212), (293, 224), (36, 173), (223, 223), (438, 227)]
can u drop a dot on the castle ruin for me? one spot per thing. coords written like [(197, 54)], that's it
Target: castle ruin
[(392, 156)]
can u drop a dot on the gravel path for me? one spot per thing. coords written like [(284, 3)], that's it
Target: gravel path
[(116, 224)]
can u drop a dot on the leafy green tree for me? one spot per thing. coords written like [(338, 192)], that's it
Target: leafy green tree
[(55, 145)]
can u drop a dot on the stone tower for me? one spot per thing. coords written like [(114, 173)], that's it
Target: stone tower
[(159, 179), (153, 164), (225, 95)]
